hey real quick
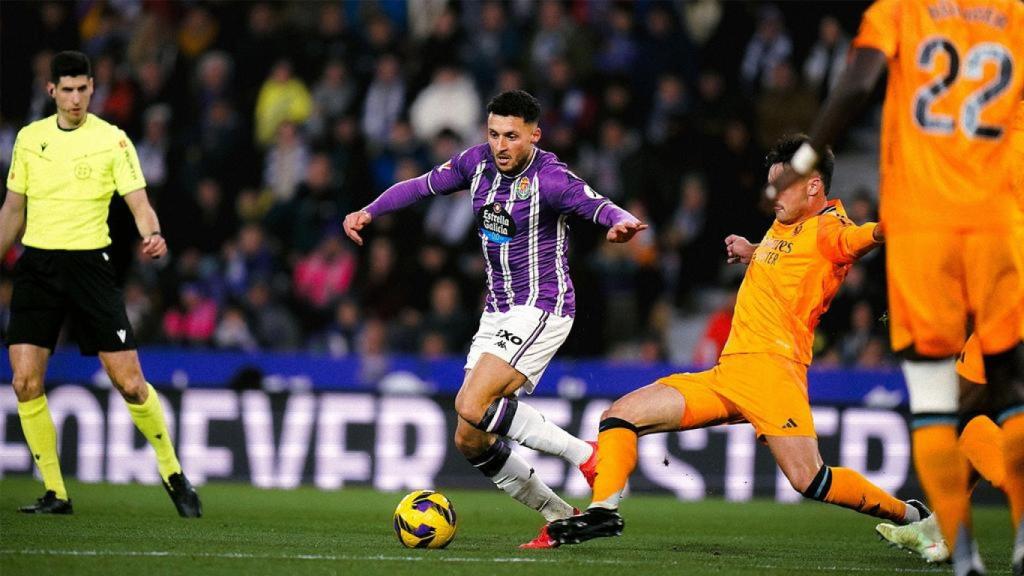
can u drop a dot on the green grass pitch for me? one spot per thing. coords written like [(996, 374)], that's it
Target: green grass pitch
[(134, 530)]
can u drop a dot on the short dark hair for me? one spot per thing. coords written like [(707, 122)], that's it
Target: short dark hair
[(69, 63), (517, 103), (786, 146)]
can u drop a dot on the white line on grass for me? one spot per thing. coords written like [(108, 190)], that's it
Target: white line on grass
[(438, 556)]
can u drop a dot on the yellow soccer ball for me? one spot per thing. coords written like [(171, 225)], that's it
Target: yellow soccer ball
[(425, 519)]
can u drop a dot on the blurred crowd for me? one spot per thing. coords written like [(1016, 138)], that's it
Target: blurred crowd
[(259, 125)]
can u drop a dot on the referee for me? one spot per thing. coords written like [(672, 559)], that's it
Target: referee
[(64, 171)]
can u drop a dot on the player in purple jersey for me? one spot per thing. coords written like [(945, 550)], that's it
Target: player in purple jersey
[(522, 197)]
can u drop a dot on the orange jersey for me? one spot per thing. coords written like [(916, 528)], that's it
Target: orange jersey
[(791, 280), (956, 74)]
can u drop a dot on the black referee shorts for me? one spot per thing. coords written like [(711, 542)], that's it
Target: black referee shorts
[(50, 284)]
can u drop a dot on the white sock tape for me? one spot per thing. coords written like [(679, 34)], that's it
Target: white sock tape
[(933, 386)]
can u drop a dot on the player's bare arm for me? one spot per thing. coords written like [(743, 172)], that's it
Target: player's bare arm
[(624, 231), (12, 220), (851, 92), (738, 249), (355, 222), (148, 225)]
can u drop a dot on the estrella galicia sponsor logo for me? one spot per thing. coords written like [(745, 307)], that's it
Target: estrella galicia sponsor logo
[(521, 187), (496, 223), (506, 335)]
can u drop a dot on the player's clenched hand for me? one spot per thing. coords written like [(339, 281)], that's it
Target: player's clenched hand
[(154, 246), (738, 249), (355, 222), (624, 231)]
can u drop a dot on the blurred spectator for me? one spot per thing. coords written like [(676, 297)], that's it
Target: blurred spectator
[(271, 323), (233, 331), (827, 58), (768, 47), (141, 310), (670, 104), (197, 32), (563, 100), (213, 82), (214, 218), (716, 333), (619, 51), (152, 41), (333, 94), (154, 147), (282, 99), (317, 209), (447, 318), (6, 291), (40, 103), (113, 98), (441, 47), (286, 163), (603, 164), (491, 47), (449, 101), (784, 106), (325, 275), (663, 50), (247, 261), (382, 290), (339, 339), (193, 319), (385, 101)]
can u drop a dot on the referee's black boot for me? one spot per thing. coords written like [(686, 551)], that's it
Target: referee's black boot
[(594, 523), (48, 504), (184, 496)]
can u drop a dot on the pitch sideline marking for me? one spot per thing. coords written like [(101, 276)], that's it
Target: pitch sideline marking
[(381, 557)]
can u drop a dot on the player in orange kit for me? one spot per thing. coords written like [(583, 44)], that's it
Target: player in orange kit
[(955, 77), (761, 377), (981, 441)]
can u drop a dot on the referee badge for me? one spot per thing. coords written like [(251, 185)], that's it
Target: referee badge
[(83, 170)]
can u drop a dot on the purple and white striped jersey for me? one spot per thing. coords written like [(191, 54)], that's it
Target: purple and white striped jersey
[(521, 221)]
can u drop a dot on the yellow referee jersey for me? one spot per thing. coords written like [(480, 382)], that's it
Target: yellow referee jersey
[(68, 178)]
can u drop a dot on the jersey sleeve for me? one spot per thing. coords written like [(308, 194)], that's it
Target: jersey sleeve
[(571, 195), (841, 241), (879, 27), (451, 176), (17, 177), (127, 170)]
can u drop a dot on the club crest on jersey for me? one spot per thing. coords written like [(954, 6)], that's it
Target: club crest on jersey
[(521, 188), (496, 223)]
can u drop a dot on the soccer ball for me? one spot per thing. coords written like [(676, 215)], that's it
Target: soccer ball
[(425, 519)]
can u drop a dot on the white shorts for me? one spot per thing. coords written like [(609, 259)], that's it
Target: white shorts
[(525, 337)]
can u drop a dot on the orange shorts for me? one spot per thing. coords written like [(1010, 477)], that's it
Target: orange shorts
[(937, 281), (767, 390)]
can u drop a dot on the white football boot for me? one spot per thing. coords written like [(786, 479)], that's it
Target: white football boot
[(922, 538)]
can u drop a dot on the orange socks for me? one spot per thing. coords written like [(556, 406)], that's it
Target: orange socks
[(616, 459), (851, 490), (981, 442), (942, 470)]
